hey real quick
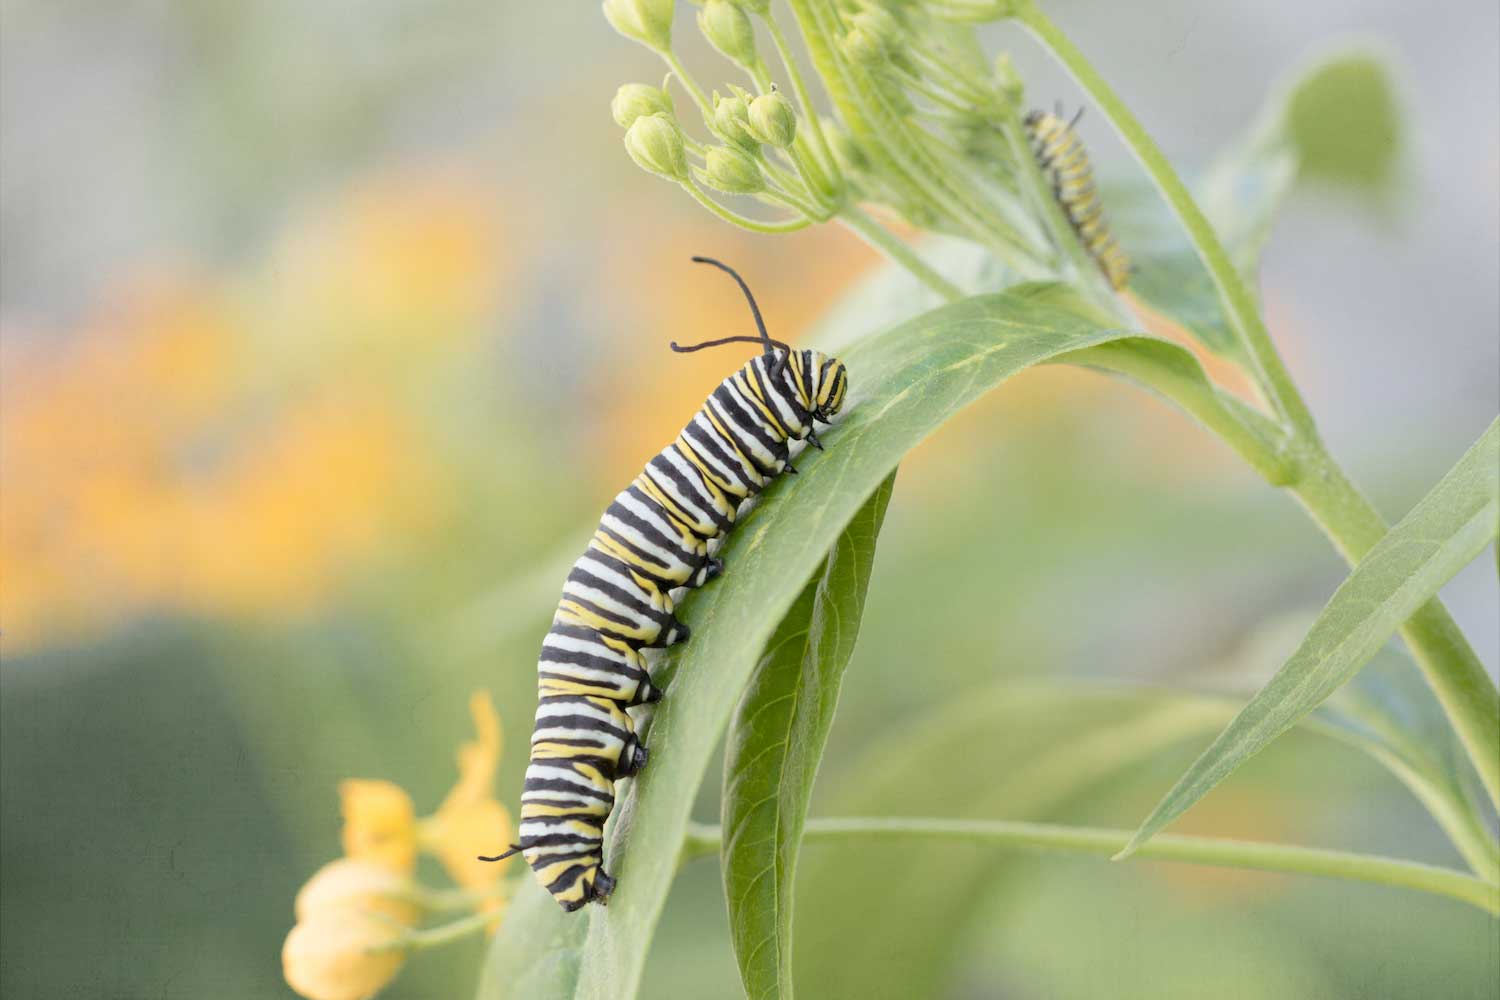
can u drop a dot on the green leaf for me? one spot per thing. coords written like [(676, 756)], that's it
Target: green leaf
[(1405, 569), (1336, 122), (904, 384), (889, 920), (1390, 713), (775, 745)]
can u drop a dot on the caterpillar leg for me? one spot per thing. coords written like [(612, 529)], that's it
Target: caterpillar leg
[(633, 757), (603, 887)]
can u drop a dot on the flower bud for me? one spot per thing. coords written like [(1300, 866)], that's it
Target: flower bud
[(731, 170), (637, 100), (873, 34), (729, 30), (361, 884), (647, 21), (772, 120), (732, 121), (1008, 79), (380, 823), (655, 144), (342, 953)]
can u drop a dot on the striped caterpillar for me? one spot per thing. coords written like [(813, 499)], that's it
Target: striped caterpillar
[(652, 539), (1066, 164)]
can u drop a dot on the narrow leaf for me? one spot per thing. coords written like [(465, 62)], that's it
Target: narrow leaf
[(904, 384), (1442, 534), (775, 745)]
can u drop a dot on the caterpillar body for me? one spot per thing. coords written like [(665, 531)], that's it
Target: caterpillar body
[(652, 539), (1066, 164)]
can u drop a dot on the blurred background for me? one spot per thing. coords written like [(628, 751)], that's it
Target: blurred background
[(329, 328)]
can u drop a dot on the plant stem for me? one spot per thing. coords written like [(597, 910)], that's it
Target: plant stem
[(1459, 680), (1255, 437), (789, 226), (702, 840), (822, 154), (1452, 669), (887, 243), (688, 83), (436, 936), (1239, 303)]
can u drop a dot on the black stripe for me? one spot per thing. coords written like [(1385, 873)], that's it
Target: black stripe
[(705, 444), (559, 785), (565, 881), (594, 609), (654, 534), (650, 565), (574, 721), (731, 434), (754, 368), (568, 741), (694, 489), (730, 405)]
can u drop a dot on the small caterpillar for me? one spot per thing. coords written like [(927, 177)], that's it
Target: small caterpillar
[(652, 539), (1066, 164)]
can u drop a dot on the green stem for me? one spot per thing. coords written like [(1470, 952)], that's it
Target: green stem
[(1459, 680), (436, 936), (1256, 438), (1453, 670), (691, 85), (824, 153), (789, 226), (887, 243), (1284, 858), (858, 97), (1239, 303)]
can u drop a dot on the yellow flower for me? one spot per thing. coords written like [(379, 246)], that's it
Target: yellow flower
[(342, 952), (380, 824), (361, 884), (470, 821)]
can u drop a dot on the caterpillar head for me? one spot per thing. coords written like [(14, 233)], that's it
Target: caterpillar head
[(821, 381), (817, 381)]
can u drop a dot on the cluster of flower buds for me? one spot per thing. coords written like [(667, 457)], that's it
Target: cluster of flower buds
[(755, 149)]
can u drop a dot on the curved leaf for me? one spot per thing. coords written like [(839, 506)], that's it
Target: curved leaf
[(774, 747), (1405, 569), (904, 384), (1337, 121)]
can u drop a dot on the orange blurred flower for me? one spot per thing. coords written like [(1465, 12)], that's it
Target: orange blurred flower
[(356, 917), (380, 824), (237, 446), (470, 821)]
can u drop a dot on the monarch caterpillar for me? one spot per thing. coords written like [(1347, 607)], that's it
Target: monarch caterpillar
[(1066, 164), (652, 539)]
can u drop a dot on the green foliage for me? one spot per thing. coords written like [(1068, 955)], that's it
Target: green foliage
[(1441, 535), (905, 383), (1335, 123), (775, 744), (910, 91)]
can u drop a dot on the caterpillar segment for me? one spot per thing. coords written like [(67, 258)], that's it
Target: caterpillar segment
[(655, 537), (1063, 159)]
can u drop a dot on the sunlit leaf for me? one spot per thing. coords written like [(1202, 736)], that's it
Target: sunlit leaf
[(775, 745), (904, 383), (1405, 569)]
